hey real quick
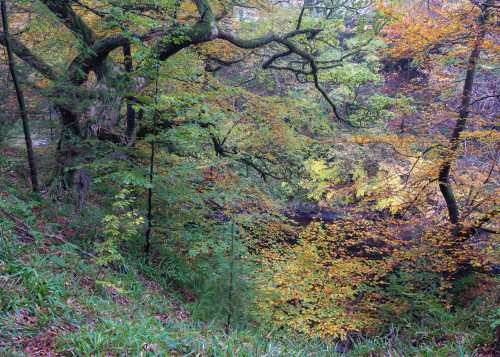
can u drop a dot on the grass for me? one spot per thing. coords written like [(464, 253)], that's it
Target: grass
[(54, 292)]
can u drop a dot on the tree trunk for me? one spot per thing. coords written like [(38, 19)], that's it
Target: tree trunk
[(20, 99), (147, 246), (127, 54), (444, 170), (71, 152)]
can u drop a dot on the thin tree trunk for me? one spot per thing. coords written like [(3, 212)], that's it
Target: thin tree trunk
[(444, 169), (20, 99), (147, 246), (231, 272), (127, 54)]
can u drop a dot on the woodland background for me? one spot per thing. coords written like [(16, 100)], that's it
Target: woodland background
[(208, 178)]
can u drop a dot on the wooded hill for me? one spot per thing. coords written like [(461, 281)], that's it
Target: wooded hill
[(256, 178)]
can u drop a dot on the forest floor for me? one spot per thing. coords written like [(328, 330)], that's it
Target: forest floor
[(55, 302)]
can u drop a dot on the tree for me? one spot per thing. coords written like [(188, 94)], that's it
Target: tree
[(460, 125), (20, 99), (444, 40), (89, 89)]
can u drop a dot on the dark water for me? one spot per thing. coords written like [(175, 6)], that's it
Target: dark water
[(303, 219)]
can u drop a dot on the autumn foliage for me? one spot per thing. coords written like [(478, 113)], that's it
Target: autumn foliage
[(197, 134)]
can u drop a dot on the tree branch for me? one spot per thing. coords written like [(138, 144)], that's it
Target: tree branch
[(24, 53), (63, 10), (264, 40), (81, 66)]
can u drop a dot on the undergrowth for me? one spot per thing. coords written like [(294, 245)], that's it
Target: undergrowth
[(53, 300)]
